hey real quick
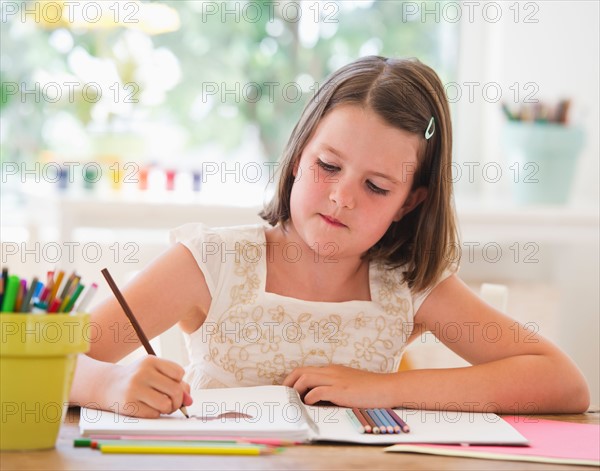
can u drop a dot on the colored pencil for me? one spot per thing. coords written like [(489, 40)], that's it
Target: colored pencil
[(382, 417), (98, 444), (136, 326), (357, 425), (20, 295), (188, 450), (395, 427), (56, 286), (68, 283), (198, 438), (361, 419), (367, 417), (26, 305), (377, 420), (403, 425), (3, 281)]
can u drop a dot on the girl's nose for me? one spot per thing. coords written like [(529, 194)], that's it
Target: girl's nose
[(342, 195)]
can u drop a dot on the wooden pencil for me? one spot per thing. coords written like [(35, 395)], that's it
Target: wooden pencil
[(377, 420), (362, 420), (357, 424), (136, 326), (395, 427), (403, 425), (389, 427), (372, 423)]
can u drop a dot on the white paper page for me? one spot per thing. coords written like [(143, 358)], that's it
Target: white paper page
[(262, 411), (425, 427)]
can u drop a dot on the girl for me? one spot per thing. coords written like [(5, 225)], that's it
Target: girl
[(352, 267)]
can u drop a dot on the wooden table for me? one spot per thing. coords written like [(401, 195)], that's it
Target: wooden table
[(310, 457)]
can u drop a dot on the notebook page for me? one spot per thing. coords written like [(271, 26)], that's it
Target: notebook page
[(262, 411)]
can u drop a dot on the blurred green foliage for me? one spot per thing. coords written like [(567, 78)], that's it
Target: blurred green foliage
[(240, 67)]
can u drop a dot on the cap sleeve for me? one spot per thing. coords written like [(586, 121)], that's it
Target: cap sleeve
[(420, 297), (204, 244)]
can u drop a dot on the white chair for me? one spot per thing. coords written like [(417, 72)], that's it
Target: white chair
[(171, 346), (432, 353)]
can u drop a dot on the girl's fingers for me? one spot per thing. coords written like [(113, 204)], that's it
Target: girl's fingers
[(169, 389), (157, 383), (296, 373), (169, 368), (187, 399)]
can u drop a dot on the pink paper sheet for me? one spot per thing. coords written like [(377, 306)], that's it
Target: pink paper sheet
[(547, 438)]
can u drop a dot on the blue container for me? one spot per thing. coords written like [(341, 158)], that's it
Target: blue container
[(543, 159)]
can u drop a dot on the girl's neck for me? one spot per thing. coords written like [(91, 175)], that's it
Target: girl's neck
[(311, 277)]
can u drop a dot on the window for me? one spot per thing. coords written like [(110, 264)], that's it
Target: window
[(187, 85)]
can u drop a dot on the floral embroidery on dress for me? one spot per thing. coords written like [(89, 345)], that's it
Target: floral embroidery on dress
[(252, 337)]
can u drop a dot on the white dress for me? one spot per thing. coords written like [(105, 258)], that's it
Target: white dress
[(252, 337)]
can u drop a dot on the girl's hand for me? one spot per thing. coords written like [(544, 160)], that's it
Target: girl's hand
[(343, 386), (147, 388)]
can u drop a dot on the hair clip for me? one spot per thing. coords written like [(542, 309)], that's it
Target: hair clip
[(430, 129)]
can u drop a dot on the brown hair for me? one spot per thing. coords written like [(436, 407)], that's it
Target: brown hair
[(406, 94)]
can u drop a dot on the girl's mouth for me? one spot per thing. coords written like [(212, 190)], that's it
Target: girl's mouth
[(332, 221)]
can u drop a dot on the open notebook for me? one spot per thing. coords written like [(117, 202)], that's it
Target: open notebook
[(278, 412)]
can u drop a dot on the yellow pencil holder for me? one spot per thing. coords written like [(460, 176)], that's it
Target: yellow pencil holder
[(37, 362)]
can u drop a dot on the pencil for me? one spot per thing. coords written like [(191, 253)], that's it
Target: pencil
[(377, 420), (403, 425), (20, 295), (133, 320), (395, 427), (276, 442), (26, 305), (187, 450), (389, 427), (56, 286), (369, 419), (359, 427), (361, 419)]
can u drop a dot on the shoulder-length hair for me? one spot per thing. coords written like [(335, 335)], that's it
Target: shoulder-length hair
[(406, 94)]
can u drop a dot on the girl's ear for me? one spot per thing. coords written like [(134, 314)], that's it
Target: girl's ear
[(295, 166), (414, 199)]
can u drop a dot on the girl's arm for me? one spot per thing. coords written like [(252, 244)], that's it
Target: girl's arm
[(514, 370), (172, 289)]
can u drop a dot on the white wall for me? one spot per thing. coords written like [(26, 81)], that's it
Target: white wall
[(559, 54)]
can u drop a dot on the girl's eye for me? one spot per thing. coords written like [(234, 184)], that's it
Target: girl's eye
[(375, 189), (327, 167)]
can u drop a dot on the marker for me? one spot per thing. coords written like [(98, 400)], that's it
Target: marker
[(76, 294), (3, 284), (20, 295), (26, 305), (87, 298), (38, 290), (10, 293), (54, 305)]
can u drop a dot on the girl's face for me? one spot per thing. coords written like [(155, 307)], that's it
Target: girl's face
[(352, 181)]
